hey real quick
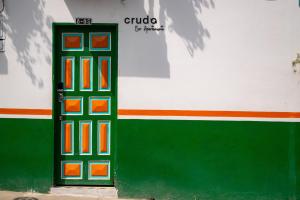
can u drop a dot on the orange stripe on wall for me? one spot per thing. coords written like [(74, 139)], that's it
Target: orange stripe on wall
[(208, 113), (25, 111), (192, 113)]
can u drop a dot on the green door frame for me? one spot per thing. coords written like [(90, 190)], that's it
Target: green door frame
[(56, 112)]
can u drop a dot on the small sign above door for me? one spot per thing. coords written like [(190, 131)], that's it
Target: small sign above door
[(83, 21)]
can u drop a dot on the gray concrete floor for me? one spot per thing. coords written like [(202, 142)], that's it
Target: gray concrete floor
[(8, 195)]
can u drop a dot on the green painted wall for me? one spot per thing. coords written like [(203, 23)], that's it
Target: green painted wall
[(170, 159), (26, 154), (208, 159)]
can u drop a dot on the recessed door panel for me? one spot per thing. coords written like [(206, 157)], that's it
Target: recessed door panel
[(103, 131), (86, 73)]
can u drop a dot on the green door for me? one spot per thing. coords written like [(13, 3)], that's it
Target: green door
[(85, 103)]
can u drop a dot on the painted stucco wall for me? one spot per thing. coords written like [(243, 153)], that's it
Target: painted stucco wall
[(170, 159), (213, 55), (208, 160), (26, 152)]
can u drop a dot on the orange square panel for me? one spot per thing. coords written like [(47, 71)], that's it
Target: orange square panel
[(99, 170), (99, 106), (71, 169), (100, 41), (72, 42), (72, 106)]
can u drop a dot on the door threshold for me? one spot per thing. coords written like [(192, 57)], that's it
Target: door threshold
[(86, 191)]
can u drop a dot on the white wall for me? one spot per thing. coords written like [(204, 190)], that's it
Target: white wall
[(213, 55)]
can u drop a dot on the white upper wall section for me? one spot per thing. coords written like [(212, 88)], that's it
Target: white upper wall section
[(213, 54)]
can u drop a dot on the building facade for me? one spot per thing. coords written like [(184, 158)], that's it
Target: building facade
[(164, 99)]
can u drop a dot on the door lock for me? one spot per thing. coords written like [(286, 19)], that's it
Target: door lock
[(60, 97), (60, 91)]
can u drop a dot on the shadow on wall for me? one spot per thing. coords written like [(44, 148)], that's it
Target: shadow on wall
[(185, 21), (26, 26), (3, 58), (3, 64), (141, 54)]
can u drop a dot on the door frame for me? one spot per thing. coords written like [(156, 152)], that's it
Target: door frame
[(55, 26)]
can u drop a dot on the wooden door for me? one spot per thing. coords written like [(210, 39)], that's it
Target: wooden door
[(85, 103)]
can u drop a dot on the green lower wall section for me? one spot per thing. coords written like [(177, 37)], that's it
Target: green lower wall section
[(170, 159), (26, 153), (173, 159)]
